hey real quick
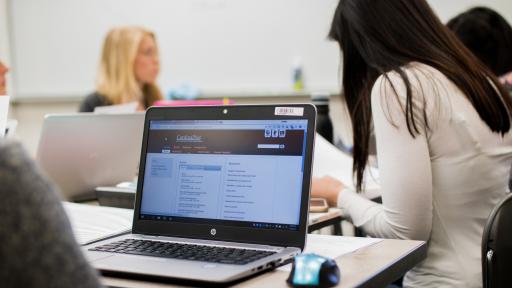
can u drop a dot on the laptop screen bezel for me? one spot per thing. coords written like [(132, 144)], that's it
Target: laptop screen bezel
[(261, 236)]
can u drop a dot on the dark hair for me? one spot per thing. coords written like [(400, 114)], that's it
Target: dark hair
[(488, 35), (377, 37)]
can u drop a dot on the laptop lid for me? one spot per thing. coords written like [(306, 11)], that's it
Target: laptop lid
[(82, 151), (227, 173)]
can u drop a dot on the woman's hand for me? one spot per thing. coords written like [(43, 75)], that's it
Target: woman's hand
[(328, 188)]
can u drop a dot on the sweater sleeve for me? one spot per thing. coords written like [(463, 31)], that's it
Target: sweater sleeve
[(404, 168), (38, 247)]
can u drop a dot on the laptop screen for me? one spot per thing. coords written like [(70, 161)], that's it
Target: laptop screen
[(230, 172)]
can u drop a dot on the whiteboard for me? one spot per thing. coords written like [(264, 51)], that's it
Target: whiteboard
[(222, 47)]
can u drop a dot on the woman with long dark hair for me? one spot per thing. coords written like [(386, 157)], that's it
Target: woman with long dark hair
[(442, 126)]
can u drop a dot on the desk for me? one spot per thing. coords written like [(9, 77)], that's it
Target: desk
[(373, 266), (332, 217)]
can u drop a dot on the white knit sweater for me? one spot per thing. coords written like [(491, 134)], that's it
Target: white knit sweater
[(440, 186)]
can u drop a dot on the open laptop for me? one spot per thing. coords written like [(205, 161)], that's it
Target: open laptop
[(223, 193), (82, 151)]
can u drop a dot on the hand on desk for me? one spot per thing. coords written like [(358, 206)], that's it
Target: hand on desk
[(328, 188)]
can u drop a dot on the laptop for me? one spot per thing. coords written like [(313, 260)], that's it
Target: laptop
[(82, 151), (222, 193)]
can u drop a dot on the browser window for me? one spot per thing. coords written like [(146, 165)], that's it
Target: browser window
[(239, 172)]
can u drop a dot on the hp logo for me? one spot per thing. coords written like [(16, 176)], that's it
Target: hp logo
[(213, 231)]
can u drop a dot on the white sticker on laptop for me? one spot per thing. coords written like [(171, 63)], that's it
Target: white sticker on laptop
[(289, 111)]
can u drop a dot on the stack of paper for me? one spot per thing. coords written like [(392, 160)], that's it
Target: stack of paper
[(333, 246), (91, 223), (330, 161)]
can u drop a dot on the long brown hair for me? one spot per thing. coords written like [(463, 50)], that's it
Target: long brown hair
[(381, 36)]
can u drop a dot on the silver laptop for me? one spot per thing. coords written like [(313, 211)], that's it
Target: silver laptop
[(222, 193), (82, 151)]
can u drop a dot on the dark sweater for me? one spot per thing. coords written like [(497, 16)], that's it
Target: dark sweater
[(92, 101), (37, 246)]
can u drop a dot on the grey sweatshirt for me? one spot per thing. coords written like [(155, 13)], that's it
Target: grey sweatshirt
[(37, 246)]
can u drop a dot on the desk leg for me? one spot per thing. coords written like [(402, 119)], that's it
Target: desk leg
[(359, 232), (337, 229)]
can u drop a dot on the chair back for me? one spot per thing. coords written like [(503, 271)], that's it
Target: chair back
[(497, 246)]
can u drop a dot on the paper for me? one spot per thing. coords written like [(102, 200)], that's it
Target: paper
[(91, 222), (4, 109), (333, 246), (330, 161), (117, 109)]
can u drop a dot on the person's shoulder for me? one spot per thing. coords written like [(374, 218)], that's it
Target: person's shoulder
[(415, 71), (421, 78), (92, 101), (96, 97), (12, 155), (414, 86)]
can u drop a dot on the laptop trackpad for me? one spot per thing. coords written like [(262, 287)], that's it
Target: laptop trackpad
[(92, 256)]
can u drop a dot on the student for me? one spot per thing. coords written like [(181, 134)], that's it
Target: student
[(128, 70), (3, 80), (38, 247), (489, 36), (442, 128)]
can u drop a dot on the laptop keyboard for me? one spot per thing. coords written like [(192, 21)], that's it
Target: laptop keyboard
[(194, 252)]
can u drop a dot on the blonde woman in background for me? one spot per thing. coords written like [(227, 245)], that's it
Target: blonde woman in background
[(128, 70)]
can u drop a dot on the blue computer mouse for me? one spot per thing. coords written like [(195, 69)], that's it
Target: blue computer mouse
[(311, 270)]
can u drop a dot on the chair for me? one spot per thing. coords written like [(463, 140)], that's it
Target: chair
[(497, 246), (323, 122)]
